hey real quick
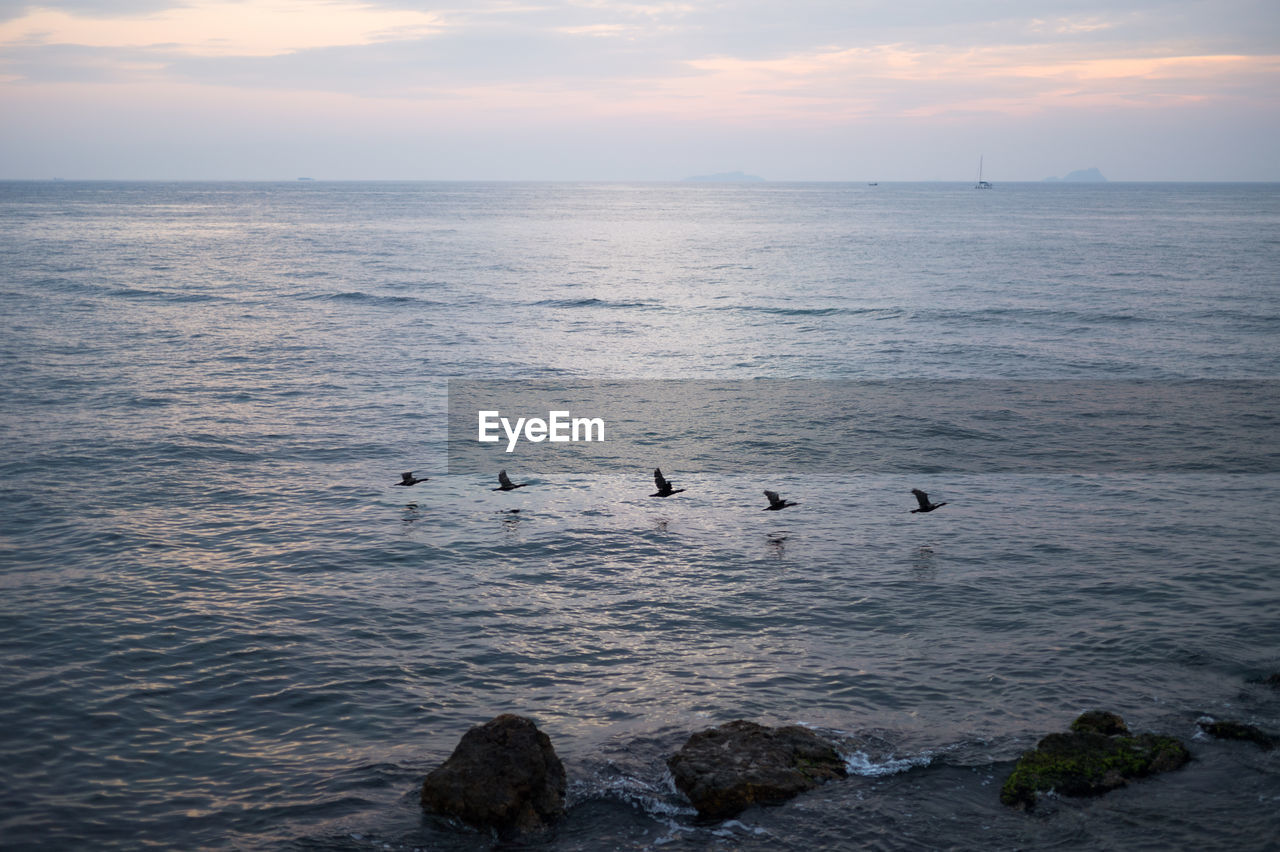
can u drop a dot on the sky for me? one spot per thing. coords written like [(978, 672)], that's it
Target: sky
[(608, 90)]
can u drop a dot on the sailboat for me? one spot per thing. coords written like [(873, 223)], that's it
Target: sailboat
[(981, 184)]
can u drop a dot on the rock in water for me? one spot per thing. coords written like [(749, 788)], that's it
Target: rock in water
[(1097, 755), (1231, 730), (1099, 722), (504, 774), (726, 769)]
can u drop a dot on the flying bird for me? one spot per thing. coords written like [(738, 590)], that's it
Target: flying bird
[(664, 487), (925, 505), (776, 503), (407, 478), (505, 483)]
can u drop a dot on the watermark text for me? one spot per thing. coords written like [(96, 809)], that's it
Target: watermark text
[(559, 427)]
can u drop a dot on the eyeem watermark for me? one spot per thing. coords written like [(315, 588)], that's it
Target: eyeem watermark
[(902, 425), (559, 427)]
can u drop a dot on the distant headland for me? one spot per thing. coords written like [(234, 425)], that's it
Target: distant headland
[(725, 177), (1079, 176)]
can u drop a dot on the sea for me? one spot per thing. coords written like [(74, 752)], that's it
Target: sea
[(223, 625)]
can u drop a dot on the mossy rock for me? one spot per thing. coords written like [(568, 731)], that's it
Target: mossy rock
[(1084, 762), (729, 768), (1099, 722), (1229, 730)]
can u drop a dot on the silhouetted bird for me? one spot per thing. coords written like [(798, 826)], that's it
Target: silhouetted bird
[(925, 505), (505, 483), (776, 502), (664, 487), (407, 478)]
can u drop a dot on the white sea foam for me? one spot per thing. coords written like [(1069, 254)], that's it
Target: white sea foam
[(861, 763)]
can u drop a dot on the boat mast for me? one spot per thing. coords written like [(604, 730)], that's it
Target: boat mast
[(981, 184)]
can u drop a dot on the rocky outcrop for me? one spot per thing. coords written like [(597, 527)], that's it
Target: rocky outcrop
[(1091, 175), (503, 775), (726, 769), (1229, 730), (1099, 722), (1097, 755)]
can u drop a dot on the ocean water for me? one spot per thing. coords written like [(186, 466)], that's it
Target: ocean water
[(224, 627)]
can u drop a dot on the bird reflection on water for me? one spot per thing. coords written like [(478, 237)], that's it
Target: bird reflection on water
[(510, 521), (923, 567)]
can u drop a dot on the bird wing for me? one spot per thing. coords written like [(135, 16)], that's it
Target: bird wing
[(921, 497), (503, 479), (773, 497), (406, 476), (659, 479)]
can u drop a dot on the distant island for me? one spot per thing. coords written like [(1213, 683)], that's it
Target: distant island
[(1079, 176), (726, 177)]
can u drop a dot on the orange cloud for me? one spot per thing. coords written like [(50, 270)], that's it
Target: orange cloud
[(904, 80), (226, 27)]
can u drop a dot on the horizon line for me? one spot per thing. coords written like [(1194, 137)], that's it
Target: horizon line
[(686, 180)]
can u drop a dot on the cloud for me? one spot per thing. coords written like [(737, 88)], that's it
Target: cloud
[(10, 9), (355, 51), (605, 30), (223, 27), (1068, 26), (666, 60), (73, 64), (844, 84), (797, 71)]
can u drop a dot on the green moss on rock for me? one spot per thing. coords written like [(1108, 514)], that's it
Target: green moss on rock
[(1230, 730), (1099, 722), (1084, 762)]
